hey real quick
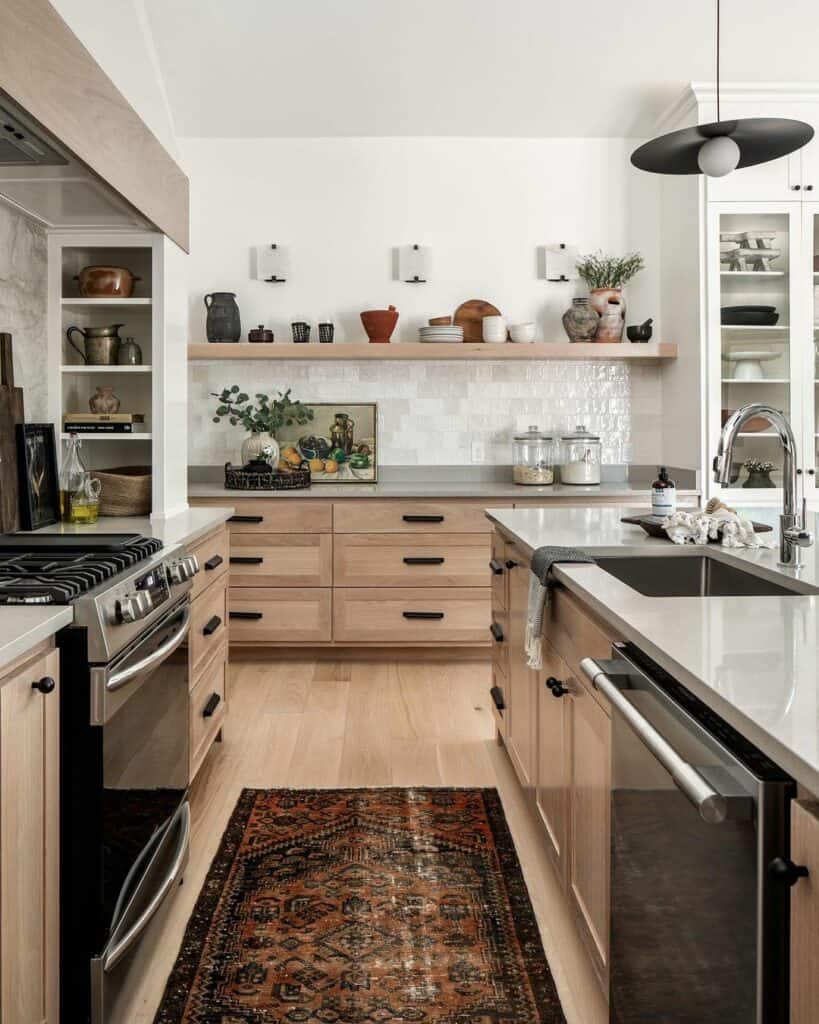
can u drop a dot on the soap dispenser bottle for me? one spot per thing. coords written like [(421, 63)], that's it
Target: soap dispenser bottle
[(663, 494)]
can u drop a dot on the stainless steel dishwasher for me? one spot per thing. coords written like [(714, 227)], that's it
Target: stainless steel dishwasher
[(699, 857)]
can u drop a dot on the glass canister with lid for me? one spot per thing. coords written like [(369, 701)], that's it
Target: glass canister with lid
[(580, 457), (533, 457)]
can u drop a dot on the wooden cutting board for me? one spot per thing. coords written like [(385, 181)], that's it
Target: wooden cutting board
[(11, 413), (469, 315)]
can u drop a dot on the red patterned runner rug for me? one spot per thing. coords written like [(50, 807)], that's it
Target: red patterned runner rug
[(363, 906)]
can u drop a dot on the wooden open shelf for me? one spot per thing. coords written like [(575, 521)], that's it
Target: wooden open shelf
[(651, 351)]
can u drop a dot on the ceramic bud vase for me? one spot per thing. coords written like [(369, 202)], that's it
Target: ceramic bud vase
[(104, 401), (580, 321), (253, 445), (600, 299)]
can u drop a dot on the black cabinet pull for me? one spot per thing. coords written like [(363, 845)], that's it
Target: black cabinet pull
[(496, 693), (244, 615), (786, 871), (809, 188), (557, 688), (421, 560), (511, 563), (44, 685), (423, 519), (496, 567), (211, 706), (246, 560), (496, 631), (211, 626), (795, 188), (213, 563), (246, 519), (423, 615)]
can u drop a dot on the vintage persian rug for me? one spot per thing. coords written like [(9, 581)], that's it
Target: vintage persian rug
[(363, 906)]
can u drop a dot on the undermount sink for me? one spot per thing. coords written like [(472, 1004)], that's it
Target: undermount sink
[(689, 576)]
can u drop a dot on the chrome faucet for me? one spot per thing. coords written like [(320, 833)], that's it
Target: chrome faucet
[(793, 533)]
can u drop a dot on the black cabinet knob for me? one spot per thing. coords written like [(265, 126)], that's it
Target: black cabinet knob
[(211, 706), (511, 563), (786, 871), (496, 632), (809, 188), (211, 626), (496, 567), (555, 685), (44, 685), (796, 188)]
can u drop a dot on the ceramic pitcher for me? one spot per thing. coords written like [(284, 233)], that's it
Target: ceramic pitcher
[(223, 322)]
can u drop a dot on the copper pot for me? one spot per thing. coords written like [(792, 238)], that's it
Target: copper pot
[(106, 282)]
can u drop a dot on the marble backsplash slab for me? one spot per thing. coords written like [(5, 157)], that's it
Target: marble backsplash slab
[(430, 413)]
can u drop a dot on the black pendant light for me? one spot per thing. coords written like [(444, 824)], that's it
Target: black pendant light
[(718, 148)]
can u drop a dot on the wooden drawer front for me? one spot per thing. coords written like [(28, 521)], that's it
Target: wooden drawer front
[(374, 615), (397, 560), (498, 573), (281, 560), (212, 553), (206, 712), (272, 615), (410, 517), (276, 515), (209, 627), (575, 635)]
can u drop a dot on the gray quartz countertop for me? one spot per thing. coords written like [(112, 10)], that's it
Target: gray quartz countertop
[(480, 490), (754, 660), (21, 629)]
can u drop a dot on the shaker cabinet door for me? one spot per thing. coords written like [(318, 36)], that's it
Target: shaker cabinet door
[(520, 727), (552, 781)]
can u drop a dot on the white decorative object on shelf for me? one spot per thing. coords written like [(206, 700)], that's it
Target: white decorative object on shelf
[(558, 262), (748, 365), (414, 264), (271, 263)]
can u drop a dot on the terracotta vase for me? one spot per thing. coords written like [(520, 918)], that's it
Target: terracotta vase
[(379, 323), (600, 299), (104, 401), (610, 328), (580, 321)]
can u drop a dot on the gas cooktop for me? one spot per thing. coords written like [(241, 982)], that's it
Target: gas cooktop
[(58, 568)]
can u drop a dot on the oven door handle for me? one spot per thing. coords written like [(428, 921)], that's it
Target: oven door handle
[(712, 805), (119, 679), (119, 948)]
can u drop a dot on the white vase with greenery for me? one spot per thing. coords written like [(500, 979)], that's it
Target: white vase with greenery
[(261, 418)]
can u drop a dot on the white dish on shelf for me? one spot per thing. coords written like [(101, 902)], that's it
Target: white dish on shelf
[(748, 365)]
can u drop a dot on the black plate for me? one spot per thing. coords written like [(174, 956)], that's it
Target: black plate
[(653, 525)]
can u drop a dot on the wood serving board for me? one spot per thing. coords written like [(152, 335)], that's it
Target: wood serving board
[(469, 315), (11, 413), (653, 526)]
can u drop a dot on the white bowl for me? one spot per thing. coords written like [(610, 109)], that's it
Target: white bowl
[(522, 332)]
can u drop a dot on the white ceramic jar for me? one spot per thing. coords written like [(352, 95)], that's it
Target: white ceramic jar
[(494, 329)]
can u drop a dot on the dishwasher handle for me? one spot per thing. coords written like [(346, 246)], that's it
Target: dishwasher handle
[(712, 805)]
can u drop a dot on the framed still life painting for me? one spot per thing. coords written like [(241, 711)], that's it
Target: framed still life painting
[(37, 474), (339, 443)]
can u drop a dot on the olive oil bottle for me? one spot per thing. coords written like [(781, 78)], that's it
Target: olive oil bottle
[(79, 493)]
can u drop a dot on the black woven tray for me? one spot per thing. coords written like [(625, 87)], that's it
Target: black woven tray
[(239, 479)]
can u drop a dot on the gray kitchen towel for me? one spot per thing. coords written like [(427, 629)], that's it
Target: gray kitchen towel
[(541, 582)]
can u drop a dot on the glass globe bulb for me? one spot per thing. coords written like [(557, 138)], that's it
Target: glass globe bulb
[(718, 156)]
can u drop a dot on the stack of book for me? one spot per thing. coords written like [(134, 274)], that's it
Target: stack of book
[(104, 423)]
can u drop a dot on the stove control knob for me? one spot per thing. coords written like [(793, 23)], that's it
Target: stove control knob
[(134, 606), (183, 569)]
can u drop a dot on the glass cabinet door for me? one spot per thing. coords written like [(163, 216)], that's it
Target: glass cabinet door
[(755, 246), (811, 231)]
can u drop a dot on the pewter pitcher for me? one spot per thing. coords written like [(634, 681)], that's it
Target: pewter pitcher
[(100, 344)]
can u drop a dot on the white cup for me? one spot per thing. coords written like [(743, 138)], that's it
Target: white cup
[(522, 332), (494, 329)]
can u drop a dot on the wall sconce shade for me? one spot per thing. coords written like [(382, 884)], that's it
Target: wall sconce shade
[(413, 264), (559, 262), (272, 264)]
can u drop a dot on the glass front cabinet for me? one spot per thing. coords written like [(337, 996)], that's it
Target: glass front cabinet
[(763, 328)]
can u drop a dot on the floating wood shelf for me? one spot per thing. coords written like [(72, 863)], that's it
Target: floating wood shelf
[(651, 351)]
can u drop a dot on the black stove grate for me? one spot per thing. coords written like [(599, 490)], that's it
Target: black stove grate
[(59, 577)]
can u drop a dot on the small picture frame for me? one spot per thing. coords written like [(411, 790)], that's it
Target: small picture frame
[(340, 443), (37, 473)]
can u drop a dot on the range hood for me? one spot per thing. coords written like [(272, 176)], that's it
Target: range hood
[(42, 178)]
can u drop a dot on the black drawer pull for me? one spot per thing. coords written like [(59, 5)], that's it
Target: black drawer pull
[(244, 615), (423, 615), (421, 560), (423, 519), (211, 626), (496, 567), (213, 563), (511, 563), (246, 519), (211, 706), (496, 694), (496, 631), (246, 560)]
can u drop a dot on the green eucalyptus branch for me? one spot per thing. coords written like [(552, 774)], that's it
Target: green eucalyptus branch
[(264, 415), (599, 271)]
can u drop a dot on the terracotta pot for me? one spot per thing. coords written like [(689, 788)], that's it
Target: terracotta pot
[(380, 323), (610, 328), (104, 401), (97, 282), (600, 299)]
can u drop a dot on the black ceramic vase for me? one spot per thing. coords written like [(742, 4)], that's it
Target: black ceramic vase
[(223, 323)]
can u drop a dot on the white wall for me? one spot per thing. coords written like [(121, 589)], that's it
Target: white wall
[(118, 37), (483, 206)]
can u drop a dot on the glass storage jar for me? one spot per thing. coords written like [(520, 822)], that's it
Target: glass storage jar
[(580, 457), (533, 458)]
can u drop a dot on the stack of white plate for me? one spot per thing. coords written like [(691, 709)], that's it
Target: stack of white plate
[(439, 333)]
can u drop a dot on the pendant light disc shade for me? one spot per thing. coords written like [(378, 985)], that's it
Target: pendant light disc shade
[(760, 139)]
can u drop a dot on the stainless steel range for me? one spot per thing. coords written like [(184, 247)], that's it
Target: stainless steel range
[(125, 819)]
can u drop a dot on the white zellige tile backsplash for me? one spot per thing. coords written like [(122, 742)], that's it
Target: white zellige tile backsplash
[(429, 413)]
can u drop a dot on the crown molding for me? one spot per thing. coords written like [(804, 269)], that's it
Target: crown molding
[(696, 94)]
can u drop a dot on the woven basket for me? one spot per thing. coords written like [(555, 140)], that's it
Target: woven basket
[(126, 490), (238, 479)]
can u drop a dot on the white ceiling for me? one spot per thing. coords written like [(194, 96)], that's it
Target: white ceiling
[(460, 67)]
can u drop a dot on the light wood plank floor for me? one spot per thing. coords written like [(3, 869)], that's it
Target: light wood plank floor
[(307, 724)]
